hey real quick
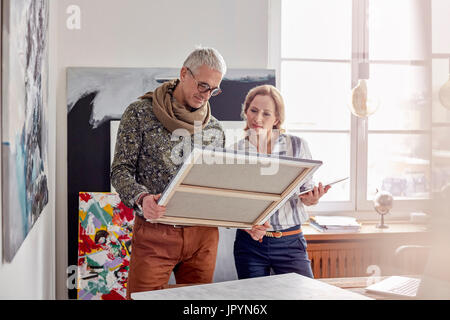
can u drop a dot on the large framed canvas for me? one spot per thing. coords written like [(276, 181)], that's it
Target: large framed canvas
[(98, 96), (24, 118), (228, 188), (104, 246)]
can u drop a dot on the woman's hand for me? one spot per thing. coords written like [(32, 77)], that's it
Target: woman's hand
[(258, 232), (150, 207), (311, 198)]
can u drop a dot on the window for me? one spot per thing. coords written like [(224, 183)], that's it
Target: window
[(316, 47), (440, 75)]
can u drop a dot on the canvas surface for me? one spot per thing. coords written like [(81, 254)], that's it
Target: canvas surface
[(104, 246), (237, 176), (215, 207), (236, 192), (24, 119)]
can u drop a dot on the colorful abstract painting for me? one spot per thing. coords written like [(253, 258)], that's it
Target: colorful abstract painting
[(104, 246), (24, 119)]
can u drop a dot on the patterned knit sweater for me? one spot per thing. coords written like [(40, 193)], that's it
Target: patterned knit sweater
[(147, 155)]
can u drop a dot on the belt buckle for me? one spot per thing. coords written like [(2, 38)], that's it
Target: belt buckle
[(278, 234)]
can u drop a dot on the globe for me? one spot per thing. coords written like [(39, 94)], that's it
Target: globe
[(383, 202)]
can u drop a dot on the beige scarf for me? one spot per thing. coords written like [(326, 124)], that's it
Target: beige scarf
[(172, 114)]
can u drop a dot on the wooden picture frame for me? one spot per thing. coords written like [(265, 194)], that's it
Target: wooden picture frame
[(230, 188)]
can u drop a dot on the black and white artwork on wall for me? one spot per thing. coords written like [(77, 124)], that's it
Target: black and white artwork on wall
[(96, 100)]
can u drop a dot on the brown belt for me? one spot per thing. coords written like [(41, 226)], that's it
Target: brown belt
[(279, 234)]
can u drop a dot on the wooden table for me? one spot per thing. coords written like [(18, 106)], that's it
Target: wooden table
[(290, 286), (352, 285), (396, 229)]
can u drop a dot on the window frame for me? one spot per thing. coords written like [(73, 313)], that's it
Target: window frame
[(358, 204)]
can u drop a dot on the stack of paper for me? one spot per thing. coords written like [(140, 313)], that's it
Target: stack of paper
[(334, 224)]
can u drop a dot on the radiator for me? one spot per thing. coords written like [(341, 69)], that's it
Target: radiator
[(370, 252), (341, 263), (357, 260)]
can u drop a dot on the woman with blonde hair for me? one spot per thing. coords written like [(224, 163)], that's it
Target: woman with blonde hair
[(279, 244)]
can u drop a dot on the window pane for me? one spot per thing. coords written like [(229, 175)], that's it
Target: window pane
[(397, 30), (402, 91), (440, 25), (334, 150), (316, 94), (320, 29), (399, 163), (440, 77), (441, 157)]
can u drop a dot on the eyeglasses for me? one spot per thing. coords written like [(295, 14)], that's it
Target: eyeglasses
[(204, 87)]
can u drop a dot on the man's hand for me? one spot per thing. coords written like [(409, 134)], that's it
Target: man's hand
[(258, 232), (311, 198), (150, 207)]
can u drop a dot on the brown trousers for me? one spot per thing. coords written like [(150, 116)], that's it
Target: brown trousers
[(158, 249)]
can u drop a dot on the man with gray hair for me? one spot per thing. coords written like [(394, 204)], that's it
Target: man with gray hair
[(143, 166)]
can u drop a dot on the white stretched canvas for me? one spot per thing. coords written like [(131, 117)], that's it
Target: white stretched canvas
[(229, 188)]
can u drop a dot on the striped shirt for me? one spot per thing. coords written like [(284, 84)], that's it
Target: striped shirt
[(293, 212)]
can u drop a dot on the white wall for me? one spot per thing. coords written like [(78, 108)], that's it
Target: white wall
[(142, 33), (31, 274)]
